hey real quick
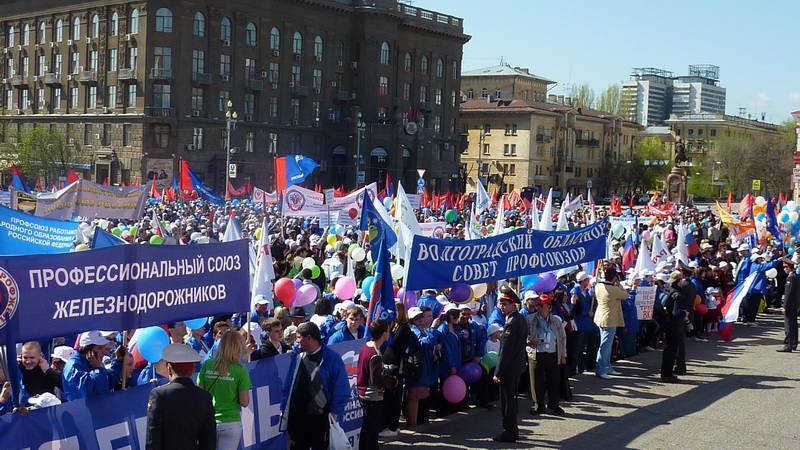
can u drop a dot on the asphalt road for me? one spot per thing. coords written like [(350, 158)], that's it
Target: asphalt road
[(738, 394)]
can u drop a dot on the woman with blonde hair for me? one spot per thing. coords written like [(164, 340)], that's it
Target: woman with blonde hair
[(282, 313), (228, 382)]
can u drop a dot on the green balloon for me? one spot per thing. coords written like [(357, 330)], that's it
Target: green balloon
[(134, 230), (451, 215), (490, 360), (156, 240), (116, 231), (315, 272)]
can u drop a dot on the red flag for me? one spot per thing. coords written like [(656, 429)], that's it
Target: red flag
[(730, 201), (153, 190), (72, 176), (426, 199), (746, 206), (630, 202), (105, 182), (38, 185)]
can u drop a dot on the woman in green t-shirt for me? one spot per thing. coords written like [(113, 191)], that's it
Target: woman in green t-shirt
[(228, 382)]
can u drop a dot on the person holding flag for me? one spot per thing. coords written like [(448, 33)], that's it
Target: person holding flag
[(381, 238)]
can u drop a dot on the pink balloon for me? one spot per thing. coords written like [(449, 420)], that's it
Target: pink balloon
[(297, 283), (454, 389), (345, 288), (305, 295)]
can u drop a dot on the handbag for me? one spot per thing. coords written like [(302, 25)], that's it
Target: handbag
[(411, 366), (337, 439)]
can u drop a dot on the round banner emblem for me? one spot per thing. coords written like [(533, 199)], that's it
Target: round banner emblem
[(9, 296), (295, 200)]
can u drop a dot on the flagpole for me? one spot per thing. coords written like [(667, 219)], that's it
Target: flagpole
[(125, 345)]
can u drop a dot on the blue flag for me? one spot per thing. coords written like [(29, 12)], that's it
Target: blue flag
[(293, 169), (381, 303), (205, 191), (772, 221), (103, 239), (378, 230)]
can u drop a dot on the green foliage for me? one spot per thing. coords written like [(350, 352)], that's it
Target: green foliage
[(41, 152), (610, 100), (582, 96)]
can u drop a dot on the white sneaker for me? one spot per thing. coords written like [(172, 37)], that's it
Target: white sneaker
[(614, 372), (387, 433), (650, 349), (604, 376)]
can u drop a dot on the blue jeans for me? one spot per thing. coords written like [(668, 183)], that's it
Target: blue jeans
[(604, 352)]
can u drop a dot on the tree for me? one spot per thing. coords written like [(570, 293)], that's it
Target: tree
[(582, 96), (610, 100), (729, 156), (651, 151), (42, 152)]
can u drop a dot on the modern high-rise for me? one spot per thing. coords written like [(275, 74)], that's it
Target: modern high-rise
[(365, 87), (652, 95)]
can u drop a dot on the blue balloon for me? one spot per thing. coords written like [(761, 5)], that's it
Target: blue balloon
[(195, 324), (151, 343), (235, 202), (790, 250), (784, 217), (387, 202), (366, 286), (528, 281), (761, 216), (547, 282)]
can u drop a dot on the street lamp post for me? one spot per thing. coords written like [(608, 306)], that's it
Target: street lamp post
[(481, 138), (360, 128), (230, 123)]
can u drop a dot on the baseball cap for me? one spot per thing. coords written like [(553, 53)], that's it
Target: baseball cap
[(261, 300), (581, 276), (463, 307), (93, 337), (530, 293), (62, 352), (180, 353), (743, 248), (414, 312), (494, 328)]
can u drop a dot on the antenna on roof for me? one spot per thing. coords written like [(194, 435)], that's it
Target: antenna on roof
[(501, 61)]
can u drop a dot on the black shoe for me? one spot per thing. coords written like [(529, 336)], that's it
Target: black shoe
[(536, 411), (673, 380), (502, 437), (557, 410), (679, 372), (784, 350)]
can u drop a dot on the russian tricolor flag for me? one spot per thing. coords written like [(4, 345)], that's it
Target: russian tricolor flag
[(629, 253), (18, 181), (730, 310), (691, 243), (292, 169)]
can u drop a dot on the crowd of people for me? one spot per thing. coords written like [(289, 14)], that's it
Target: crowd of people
[(516, 335)]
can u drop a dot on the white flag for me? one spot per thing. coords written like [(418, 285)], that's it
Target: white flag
[(546, 223), (592, 213), (482, 199), (233, 231), (562, 224), (643, 261), (265, 272), (500, 220), (681, 246), (660, 250)]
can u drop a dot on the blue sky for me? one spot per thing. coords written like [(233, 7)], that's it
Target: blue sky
[(598, 42)]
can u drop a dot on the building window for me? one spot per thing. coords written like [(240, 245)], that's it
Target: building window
[(316, 80), (112, 60), (295, 110), (95, 26), (161, 136), (114, 28), (406, 91), (106, 136), (40, 99), (437, 124), (25, 64), (513, 151), (162, 96), (42, 33), (24, 101), (87, 134), (134, 26), (91, 97), (225, 67), (315, 109), (498, 93), (700, 132), (297, 43), (484, 94), (453, 99), (250, 68), (57, 98), (249, 105), (318, 49), (133, 55), (273, 107), (198, 103), (111, 96), (275, 41), (408, 63), (423, 94), (26, 34), (385, 53), (197, 138), (199, 24), (164, 20), (250, 138), (74, 97), (273, 143), (423, 65), (59, 31), (131, 95), (11, 37), (454, 71), (250, 35), (223, 100), (295, 81), (40, 64), (76, 29), (274, 73), (439, 68), (438, 96), (712, 132), (198, 61), (383, 85), (340, 53), (470, 94), (487, 129), (225, 31), (163, 59), (382, 113), (691, 133), (93, 60), (127, 134)]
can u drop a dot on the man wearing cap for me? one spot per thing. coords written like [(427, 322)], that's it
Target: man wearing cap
[(676, 315), (791, 304), (547, 341), (473, 346), (84, 374), (180, 415), (758, 265), (510, 363), (529, 307)]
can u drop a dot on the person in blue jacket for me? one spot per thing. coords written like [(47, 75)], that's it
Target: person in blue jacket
[(316, 390), (753, 300), (429, 300), (84, 374), (421, 348), (450, 358), (497, 317), (472, 340), (630, 332), (581, 355), (529, 299), (352, 329), (156, 374)]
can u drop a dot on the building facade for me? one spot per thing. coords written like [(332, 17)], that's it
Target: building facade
[(698, 132), (138, 85), (504, 82), (516, 144)]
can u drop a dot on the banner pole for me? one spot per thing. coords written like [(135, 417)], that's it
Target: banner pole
[(124, 369)]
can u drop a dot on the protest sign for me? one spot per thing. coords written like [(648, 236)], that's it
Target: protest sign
[(433, 229), (629, 221), (349, 206), (83, 198), (119, 420), (440, 263), (645, 301), (120, 288), (301, 202), (24, 234)]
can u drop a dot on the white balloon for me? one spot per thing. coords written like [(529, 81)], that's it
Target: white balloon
[(397, 272), (791, 205), (479, 290), (793, 216), (761, 201), (359, 254), (771, 273), (309, 263)]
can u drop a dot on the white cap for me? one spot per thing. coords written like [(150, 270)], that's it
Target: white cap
[(494, 328), (464, 307), (743, 248), (661, 276), (93, 337), (530, 294), (44, 400), (62, 352), (755, 256), (582, 276), (647, 273), (414, 312), (450, 307), (261, 300), (723, 264), (180, 353)]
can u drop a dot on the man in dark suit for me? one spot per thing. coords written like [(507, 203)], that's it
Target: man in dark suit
[(511, 362), (791, 304), (180, 415)]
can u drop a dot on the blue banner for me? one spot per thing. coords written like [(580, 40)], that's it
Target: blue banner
[(119, 420), (438, 263), (103, 239), (120, 288), (24, 234)]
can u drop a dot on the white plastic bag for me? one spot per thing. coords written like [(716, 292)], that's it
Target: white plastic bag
[(337, 438)]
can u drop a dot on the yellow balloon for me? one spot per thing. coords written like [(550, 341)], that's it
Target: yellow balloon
[(331, 239), (258, 233)]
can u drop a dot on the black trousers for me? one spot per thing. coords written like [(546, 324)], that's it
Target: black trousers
[(790, 329), (750, 307), (392, 405), (674, 356), (372, 424), (547, 378), (509, 388), (309, 432)]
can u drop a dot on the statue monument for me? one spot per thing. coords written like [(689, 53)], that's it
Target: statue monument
[(676, 179)]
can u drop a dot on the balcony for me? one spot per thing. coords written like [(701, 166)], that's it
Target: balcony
[(253, 84), (87, 77), (297, 90), (594, 142), (539, 137), (52, 79), (581, 141), (127, 75), (201, 79), (162, 75), (343, 96), (18, 81), (159, 112)]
